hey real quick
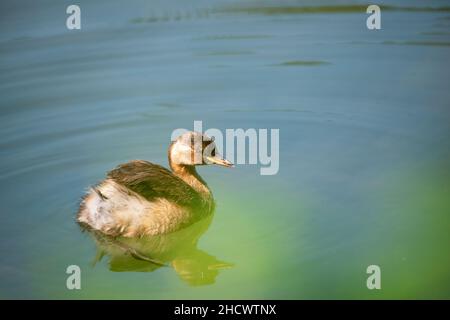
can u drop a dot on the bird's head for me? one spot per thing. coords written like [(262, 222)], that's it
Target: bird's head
[(193, 149)]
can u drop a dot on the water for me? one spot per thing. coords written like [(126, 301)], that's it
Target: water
[(364, 152)]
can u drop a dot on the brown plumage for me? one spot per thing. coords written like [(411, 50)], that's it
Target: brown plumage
[(153, 181), (140, 198)]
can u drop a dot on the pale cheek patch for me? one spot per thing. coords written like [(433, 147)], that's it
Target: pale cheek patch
[(181, 154)]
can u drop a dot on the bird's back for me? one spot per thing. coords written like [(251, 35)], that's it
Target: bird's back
[(153, 181), (141, 198)]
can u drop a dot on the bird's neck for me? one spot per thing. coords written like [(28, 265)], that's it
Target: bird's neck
[(189, 175)]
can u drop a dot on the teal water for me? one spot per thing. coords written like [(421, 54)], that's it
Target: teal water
[(364, 151)]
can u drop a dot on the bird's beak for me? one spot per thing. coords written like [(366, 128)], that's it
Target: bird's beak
[(219, 161)]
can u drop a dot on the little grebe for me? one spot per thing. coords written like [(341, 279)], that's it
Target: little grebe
[(140, 198)]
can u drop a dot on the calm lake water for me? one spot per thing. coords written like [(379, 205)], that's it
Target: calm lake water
[(364, 145)]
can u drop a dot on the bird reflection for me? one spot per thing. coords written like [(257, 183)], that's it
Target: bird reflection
[(177, 250)]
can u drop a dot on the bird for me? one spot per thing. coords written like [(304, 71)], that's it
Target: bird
[(140, 198)]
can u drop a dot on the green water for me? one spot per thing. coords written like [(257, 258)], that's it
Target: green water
[(364, 150)]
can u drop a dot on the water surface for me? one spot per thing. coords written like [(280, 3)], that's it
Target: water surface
[(364, 143)]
